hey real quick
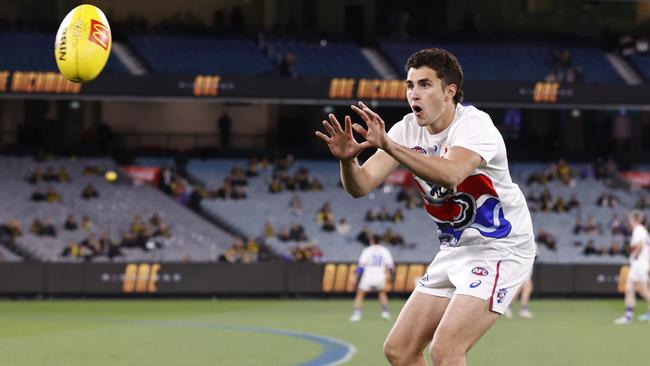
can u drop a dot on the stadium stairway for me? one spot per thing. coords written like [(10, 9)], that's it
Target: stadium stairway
[(379, 63), (624, 69), (132, 63)]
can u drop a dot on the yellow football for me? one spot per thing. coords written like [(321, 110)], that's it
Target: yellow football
[(83, 43)]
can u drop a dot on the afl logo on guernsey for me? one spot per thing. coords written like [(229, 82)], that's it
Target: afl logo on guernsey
[(480, 271)]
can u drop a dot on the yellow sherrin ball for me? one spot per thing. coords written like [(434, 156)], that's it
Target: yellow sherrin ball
[(83, 43)]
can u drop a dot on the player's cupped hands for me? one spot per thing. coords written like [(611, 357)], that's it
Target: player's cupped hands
[(375, 134), (340, 141)]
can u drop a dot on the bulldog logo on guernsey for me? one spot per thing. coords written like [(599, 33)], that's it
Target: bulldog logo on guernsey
[(473, 204), (99, 34), (480, 271)]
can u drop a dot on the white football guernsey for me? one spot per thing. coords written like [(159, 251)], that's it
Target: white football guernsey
[(487, 207)]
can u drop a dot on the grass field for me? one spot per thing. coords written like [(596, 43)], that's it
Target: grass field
[(240, 332)]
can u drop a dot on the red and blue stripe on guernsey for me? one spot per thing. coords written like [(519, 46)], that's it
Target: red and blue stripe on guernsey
[(474, 204)]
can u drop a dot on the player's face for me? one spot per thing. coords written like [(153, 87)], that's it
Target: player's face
[(427, 95)]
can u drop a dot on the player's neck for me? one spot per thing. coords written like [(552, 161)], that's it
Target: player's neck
[(443, 121)]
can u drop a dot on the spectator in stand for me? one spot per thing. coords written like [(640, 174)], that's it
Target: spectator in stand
[(383, 214), (364, 236), (89, 192), (295, 205), (48, 228), (590, 248), (238, 177), (398, 216), (343, 226), (114, 249), (166, 179), (547, 239), (225, 190), (38, 195), (591, 227), (564, 173), (578, 227), (50, 175), (36, 177), (297, 232), (64, 175), (545, 200), (91, 170), (608, 200), (325, 213), (616, 249), (238, 193), (314, 185), (269, 230), (287, 65), (616, 225), (86, 224), (128, 240), (275, 186), (70, 223), (573, 202), (328, 225), (559, 206), (283, 234), (642, 203), (52, 196), (76, 250), (302, 179), (370, 215), (253, 167), (137, 226)]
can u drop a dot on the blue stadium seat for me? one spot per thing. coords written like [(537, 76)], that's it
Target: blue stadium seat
[(508, 62), (29, 51), (192, 55)]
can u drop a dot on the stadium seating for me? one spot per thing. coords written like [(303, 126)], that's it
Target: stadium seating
[(327, 59), (418, 230), (193, 55), (508, 62), (35, 52), (192, 238)]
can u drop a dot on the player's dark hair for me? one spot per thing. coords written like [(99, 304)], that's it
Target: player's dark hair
[(444, 63)]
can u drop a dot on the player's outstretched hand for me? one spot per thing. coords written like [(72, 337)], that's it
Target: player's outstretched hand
[(340, 141), (376, 133)]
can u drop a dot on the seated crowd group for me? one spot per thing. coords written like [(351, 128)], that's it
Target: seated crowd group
[(144, 235)]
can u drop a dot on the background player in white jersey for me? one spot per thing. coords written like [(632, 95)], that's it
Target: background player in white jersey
[(374, 261), (637, 277), (459, 161)]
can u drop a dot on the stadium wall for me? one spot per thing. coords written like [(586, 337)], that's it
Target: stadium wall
[(268, 279)]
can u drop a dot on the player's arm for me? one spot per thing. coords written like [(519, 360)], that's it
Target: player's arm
[(447, 172), (358, 180)]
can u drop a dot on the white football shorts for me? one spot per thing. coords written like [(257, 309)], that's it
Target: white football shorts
[(638, 273), (371, 283), (482, 271)]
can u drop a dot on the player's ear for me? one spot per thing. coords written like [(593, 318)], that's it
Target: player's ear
[(450, 91)]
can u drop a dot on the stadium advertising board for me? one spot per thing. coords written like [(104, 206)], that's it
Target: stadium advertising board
[(311, 90), (207, 279)]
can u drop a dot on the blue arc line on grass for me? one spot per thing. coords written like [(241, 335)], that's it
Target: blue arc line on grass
[(335, 352)]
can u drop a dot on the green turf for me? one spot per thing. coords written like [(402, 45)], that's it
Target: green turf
[(205, 332)]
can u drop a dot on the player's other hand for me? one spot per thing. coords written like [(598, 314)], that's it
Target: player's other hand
[(375, 133), (340, 141)]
